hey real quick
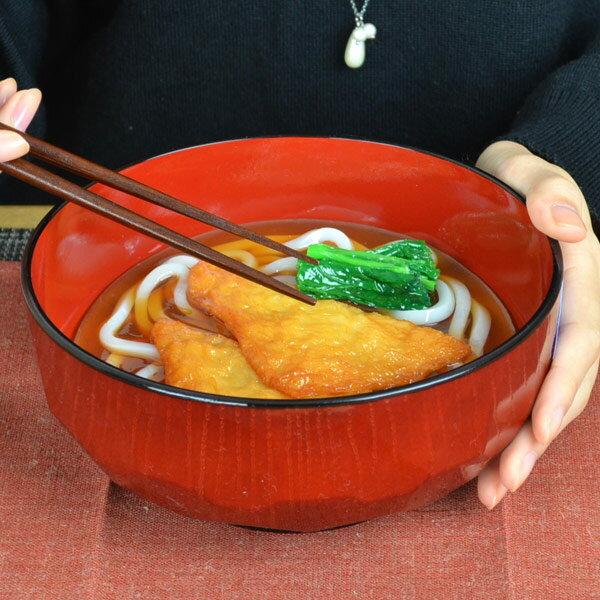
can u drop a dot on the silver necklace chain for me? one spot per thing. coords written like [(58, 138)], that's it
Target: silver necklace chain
[(359, 15)]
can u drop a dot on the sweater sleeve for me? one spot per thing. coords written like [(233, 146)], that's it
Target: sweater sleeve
[(560, 121)]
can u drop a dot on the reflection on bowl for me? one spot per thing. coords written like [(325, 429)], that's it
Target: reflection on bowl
[(298, 465)]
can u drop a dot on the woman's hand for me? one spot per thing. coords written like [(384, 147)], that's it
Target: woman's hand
[(556, 207), (16, 109)]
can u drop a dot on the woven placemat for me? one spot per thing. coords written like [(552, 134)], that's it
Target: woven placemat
[(13, 242)]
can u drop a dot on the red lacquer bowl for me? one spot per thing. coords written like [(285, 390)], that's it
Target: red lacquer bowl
[(298, 465)]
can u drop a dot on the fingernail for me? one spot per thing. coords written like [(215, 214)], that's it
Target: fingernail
[(12, 145), (498, 495), (555, 422), (6, 90), (527, 464), (21, 111), (566, 216)]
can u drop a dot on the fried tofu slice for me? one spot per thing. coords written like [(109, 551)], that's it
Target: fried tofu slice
[(206, 362), (329, 349)]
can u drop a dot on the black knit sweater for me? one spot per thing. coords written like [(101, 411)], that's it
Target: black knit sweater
[(127, 79)]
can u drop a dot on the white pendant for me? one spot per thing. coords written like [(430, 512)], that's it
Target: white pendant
[(355, 48)]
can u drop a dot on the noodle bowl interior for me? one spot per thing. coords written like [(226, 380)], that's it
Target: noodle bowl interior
[(121, 326)]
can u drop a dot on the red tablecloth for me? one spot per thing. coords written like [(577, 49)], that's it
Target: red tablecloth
[(67, 532)]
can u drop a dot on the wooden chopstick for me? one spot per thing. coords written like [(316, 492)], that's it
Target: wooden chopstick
[(81, 166), (67, 190)]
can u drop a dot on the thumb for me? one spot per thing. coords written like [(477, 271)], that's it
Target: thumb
[(555, 203), (12, 146)]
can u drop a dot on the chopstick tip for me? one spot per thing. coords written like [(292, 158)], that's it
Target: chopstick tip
[(296, 294)]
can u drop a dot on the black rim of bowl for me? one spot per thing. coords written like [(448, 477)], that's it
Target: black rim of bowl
[(92, 361)]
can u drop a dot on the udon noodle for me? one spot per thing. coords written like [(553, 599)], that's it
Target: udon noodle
[(163, 292)]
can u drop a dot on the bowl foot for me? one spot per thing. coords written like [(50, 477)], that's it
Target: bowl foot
[(268, 530)]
